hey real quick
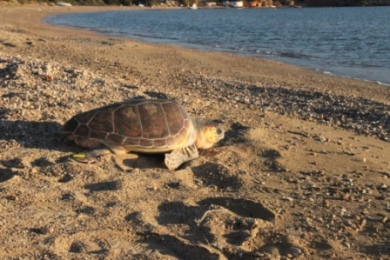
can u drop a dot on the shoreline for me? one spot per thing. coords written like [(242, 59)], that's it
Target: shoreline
[(353, 73), (44, 11), (302, 173)]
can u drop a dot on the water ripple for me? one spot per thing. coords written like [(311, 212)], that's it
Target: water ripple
[(350, 42)]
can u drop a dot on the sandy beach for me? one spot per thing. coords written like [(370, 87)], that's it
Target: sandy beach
[(302, 173)]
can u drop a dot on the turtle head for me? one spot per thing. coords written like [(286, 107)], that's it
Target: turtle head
[(208, 135)]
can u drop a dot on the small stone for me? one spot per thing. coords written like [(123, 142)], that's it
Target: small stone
[(326, 203), (11, 197), (362, 224), (348, 197), (288, 199), (342, 211), (347, 244)]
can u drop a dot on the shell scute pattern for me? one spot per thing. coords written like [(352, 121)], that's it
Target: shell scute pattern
[(145, 142), (85, 117), (97, 135), (160, 142), (171, 141), (142, 123), (82, 130), (153, 121), (174, 117), (115, 139), (70, 126), (127, 122), (102, 121), (131, 141)]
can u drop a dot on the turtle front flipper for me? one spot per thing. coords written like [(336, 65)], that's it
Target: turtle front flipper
[(90, 156), (179, 156)]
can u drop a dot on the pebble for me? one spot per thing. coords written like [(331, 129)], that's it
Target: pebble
[(60, 89), (288, 199), (364, 116), (347, 244), (386, 174), (342, 211), (326, 203)]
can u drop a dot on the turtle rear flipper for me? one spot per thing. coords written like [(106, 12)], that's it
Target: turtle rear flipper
[(179, 156)]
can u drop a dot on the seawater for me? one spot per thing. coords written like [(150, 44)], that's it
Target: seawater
[(349, 42)]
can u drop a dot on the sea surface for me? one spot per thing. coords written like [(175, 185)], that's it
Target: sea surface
[(350, 42)]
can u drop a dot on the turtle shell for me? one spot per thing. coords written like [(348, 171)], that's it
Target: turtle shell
[(137, 125)]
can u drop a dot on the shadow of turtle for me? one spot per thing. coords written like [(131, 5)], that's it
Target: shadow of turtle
[(235, 135), (33, 134), (146, 161)]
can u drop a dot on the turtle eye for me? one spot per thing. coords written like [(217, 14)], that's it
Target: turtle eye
[(219, 131)]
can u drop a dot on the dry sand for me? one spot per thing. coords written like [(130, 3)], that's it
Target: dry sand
[(303, 172)]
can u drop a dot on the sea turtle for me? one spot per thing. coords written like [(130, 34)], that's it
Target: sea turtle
[(144, 126)]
